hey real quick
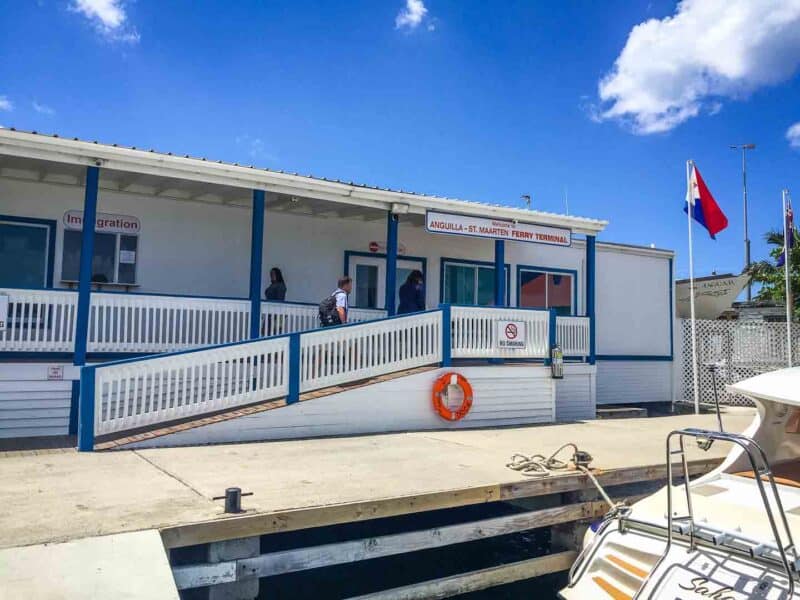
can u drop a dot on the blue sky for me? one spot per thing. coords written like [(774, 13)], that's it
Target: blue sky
[(462, 98)]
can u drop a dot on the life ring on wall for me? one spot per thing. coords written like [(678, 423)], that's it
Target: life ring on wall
[(440, 390)]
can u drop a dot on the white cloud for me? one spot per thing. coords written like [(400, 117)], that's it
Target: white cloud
[(793, 135), (676, 68), (109, 17), (5, 103), (43, 109), (411, 15)]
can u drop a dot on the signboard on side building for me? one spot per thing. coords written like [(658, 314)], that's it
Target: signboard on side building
[(511, 335), (105, 223), (497, 229)]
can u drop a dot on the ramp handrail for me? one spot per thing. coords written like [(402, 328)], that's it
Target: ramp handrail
[(137, 392)]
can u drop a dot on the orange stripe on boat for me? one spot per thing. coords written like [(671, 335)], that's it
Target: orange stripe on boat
[(624, 564), (611, 590)]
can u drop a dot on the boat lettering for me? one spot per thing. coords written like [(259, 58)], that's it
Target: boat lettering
[(701, 587)]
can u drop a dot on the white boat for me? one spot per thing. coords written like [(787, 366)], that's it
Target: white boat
[(725, 536), (713, 295)]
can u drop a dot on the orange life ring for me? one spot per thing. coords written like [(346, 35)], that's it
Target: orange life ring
[(440, 388)]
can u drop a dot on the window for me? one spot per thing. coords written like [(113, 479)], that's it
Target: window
[(469, 283), (544, 289), (25, 258), (114, 259), (366, 286)]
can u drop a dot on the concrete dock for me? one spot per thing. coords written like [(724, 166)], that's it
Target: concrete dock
[(51, 497)]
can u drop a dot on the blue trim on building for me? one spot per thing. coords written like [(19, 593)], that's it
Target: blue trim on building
[(85, 275), (499, 280), (293, 392), (390, 301), (86, 412), (74, 407), (571, 272), (256, 258), (552, 339), (51, 242), (447, 345), (479, 263), (671, 310), (634, 357), (591, 277), (350, 253)]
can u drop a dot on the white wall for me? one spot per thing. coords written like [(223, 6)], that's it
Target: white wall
[(634, 382), (509, 395)]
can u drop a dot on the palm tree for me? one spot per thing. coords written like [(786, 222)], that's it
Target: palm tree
[(772, 277)]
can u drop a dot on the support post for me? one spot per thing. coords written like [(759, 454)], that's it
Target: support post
[(84, 288), (256, 257), (86, 414), (552, 339), (293, 394), (85, 274), (499, 273), (446, 338), (591, 258), (391, 264)]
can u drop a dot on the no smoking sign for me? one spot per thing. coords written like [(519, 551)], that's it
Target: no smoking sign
[(511, 335)]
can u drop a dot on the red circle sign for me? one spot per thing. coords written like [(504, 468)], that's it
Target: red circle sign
[(511, 331), (373, 246)]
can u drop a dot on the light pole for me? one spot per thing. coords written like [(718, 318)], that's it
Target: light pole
[(744, 148)]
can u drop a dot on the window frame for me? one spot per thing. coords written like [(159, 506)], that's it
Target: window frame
[(573, 273), (349, 255), (50, 253), (444, 261), (117, 243)]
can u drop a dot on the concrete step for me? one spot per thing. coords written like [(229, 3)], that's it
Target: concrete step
[(622, 412)]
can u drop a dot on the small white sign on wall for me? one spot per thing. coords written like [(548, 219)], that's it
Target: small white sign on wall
[(3, 311), (55, 373), (511, 335), (127, 257)]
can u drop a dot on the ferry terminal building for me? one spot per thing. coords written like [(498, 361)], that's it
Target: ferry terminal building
[(181, 250)]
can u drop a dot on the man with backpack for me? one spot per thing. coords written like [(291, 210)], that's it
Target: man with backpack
[(333, 309)]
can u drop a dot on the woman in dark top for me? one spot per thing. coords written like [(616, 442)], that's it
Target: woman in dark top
[(277, 288), (412, 294)]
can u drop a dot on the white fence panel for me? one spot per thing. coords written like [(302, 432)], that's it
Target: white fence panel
[(278, 318), (39, 321), (151, 323), (342, 354), (474, 332), (738, 349), (572, 335), (164, 388)]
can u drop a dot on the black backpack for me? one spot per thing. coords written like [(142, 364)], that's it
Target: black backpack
[(328, 315)]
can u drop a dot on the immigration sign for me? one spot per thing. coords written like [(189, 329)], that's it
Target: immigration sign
[(498, 229)]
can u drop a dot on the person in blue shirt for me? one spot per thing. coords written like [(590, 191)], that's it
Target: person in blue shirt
[(412, 294)]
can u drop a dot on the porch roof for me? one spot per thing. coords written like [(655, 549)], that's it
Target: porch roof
[(183, 177)]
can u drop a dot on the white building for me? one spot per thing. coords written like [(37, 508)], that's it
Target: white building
[(177, 265)]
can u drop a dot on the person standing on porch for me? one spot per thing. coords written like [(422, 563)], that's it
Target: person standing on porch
[(412, 294), (276, 292)]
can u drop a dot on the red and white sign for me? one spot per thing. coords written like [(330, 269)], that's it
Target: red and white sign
[(376, 247), (105, 223), (511, 335), (498, 229)]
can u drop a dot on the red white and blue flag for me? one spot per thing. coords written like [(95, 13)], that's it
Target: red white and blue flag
[(788, 232), (702, 207)]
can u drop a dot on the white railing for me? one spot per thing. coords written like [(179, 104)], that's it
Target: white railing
[(278, 318), (341, 354), (39, 321), (150, 323), (474, 332), (45, 321), (572, 335), (137, 393)]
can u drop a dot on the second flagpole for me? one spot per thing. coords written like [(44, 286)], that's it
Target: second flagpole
[(689, 208), (787, 277)]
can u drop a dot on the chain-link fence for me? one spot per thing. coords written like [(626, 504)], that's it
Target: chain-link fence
[(738, 350)]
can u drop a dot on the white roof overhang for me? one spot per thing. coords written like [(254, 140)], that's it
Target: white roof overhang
[(59, 150)]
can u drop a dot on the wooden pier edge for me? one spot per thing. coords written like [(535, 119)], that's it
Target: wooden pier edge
[(248, 525), (482, 579)]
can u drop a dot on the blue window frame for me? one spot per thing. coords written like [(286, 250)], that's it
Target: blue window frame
[(27, 251), (469, 282), (545, 287)]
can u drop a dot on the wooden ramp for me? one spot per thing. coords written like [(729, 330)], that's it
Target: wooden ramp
[(131, 436)]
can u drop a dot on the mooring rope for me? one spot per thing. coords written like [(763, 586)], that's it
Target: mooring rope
[(539, 465)]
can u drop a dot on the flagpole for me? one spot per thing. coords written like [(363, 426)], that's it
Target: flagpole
[(696, 384), (787, 279)]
